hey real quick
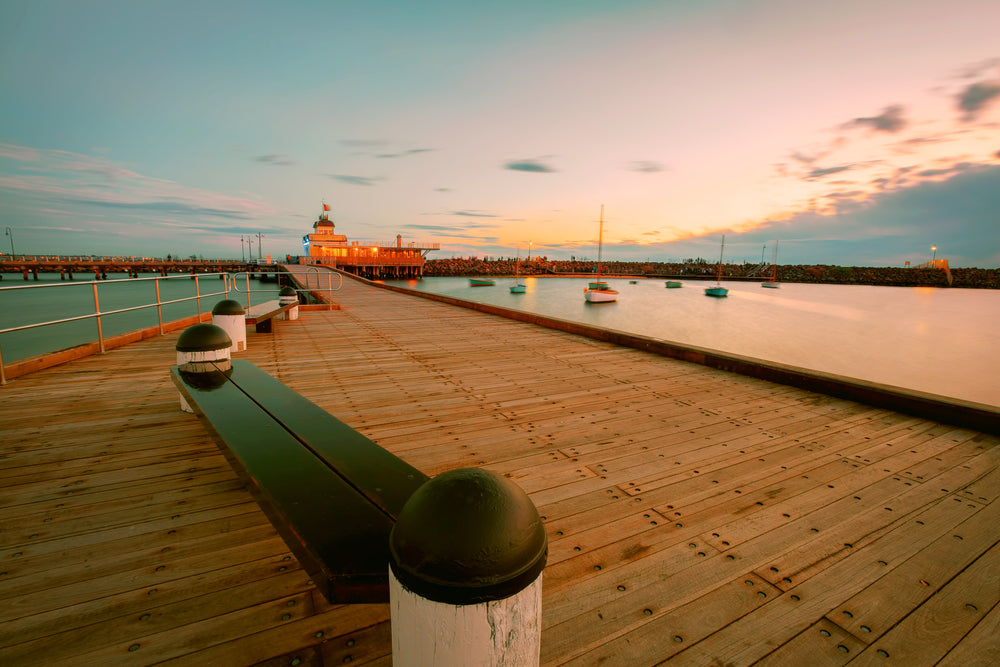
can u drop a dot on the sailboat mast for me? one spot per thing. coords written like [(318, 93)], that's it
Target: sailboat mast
[(718, 278), (600, 242)]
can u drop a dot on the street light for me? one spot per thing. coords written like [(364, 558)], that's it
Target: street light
[(10, 232), (529, 251), (934, 250)]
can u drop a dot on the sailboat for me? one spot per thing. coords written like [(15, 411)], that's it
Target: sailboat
[(718, 289), (518, 286), (598, 291), (773, 282)]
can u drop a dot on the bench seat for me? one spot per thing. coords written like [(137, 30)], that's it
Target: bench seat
[(331, 493), (261, 314)]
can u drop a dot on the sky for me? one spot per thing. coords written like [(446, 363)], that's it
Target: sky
[(843, 132)]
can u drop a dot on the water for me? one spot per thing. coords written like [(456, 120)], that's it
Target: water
[(941, 341), (19, 307)]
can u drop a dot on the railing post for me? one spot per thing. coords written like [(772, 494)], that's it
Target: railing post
[(159, 306), (97, 311), (465, 576), (197, 294)]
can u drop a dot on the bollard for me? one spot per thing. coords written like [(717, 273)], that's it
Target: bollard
[(229, 316), (286, 296), (465, 575), (202, 352)]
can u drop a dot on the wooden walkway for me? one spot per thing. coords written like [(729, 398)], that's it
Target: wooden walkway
[(694, 516)]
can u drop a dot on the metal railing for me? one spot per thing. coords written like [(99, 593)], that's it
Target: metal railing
[(308, 273), (98, 313)]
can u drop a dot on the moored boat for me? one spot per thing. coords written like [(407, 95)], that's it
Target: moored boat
[(717, 289), (599, 291), (673, 284), (518, 287), (481, 282)]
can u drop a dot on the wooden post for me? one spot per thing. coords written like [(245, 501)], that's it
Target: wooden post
[(203, 352), (465, 576), (286, 296)]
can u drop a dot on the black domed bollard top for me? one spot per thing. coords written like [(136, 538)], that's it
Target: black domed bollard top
[(203, 357), (203, 337), (468, 536), (228, 307)]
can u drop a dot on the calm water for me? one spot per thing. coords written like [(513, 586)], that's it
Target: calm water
[(72, 298), (942, 341)]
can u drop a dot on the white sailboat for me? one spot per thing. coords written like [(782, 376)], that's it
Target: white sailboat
[(718, 289), (518, 287), (598, 291)]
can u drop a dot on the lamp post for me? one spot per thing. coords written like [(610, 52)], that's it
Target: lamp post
[(529, 251), (10, 232), (934, 251), (259, 253), (243, 254)]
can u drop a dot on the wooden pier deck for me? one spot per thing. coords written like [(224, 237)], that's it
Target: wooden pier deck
[(694, 516)]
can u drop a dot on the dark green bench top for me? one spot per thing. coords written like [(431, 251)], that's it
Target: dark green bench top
[(332, 494)]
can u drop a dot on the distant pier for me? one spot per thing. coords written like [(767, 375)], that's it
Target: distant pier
[(70, 267)]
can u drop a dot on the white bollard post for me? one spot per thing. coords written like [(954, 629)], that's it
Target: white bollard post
[(229, 316), (286, 296), (202, 349), (465, 576)]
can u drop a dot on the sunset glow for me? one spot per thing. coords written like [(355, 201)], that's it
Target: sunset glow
[(860, 135)]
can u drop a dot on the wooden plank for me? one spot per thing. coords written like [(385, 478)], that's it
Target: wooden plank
[(935, 627), (433, 384)]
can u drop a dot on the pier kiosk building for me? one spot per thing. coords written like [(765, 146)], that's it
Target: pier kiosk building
[(370, 259)]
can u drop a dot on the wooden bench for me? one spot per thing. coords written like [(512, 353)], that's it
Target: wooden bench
[(261, 314), (331, 493)]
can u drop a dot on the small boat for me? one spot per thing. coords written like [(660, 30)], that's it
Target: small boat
[(518, 287), (717, 289), (773, 282), (633, 282), (673, 284), (481, 282), (598, 291)]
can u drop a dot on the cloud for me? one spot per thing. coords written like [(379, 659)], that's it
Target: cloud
[(356, 180), (890, 120), (976, 97), (412, 151), (819, 172), (529, 165), (646, 166), (957, 214), (59, 177), (473, 214), (278, 160)]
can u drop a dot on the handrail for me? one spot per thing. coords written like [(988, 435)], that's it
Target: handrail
[(98, 313), (307, 288)]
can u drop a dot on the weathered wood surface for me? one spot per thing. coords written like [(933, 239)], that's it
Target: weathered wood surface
[(694, 516)]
